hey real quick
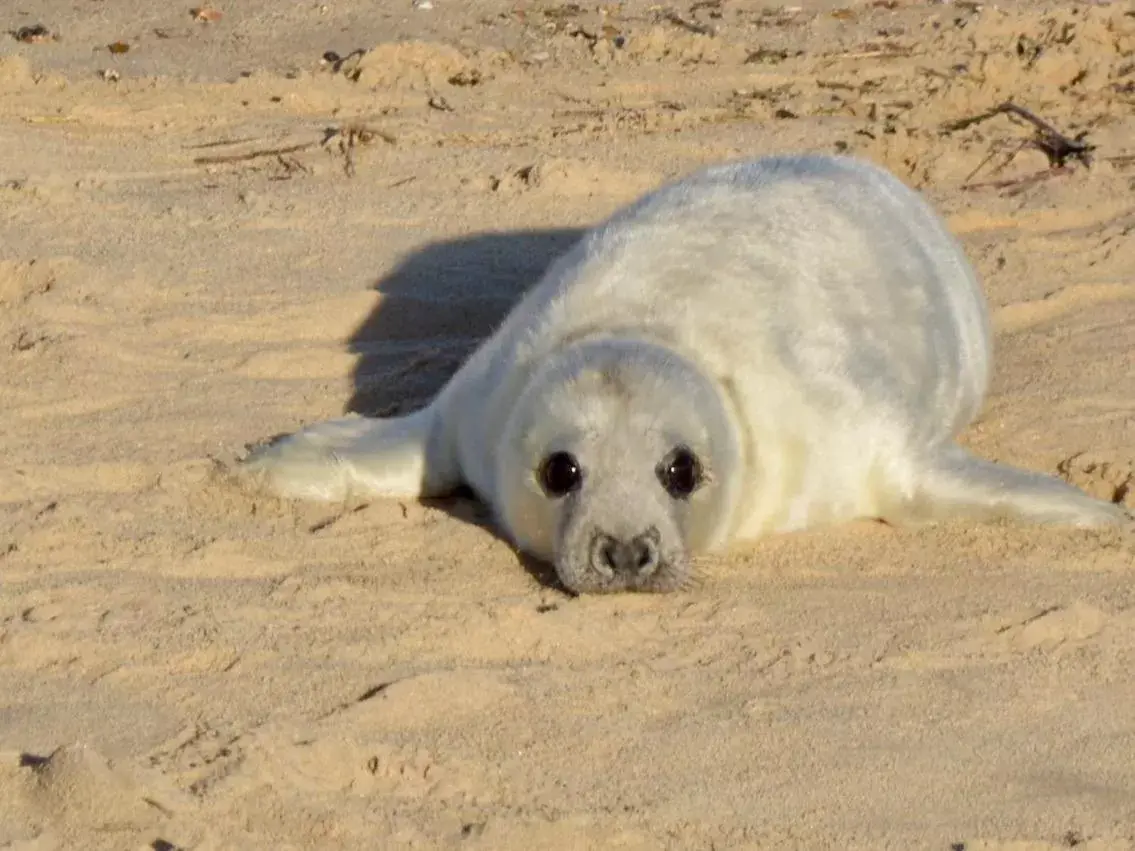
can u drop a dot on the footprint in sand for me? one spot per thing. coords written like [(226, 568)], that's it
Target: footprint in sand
[(356, 748), (1071, 840), (21, 280), (1050, 628), (1104, 478), (78, 786), (1022, 315)]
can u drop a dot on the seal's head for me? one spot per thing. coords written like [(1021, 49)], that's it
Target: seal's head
[(619, 459)]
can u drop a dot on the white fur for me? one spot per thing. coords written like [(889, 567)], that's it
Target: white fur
[(840, 323)]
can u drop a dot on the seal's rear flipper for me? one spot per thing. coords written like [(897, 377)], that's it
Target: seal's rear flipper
[(956, 484), (350, 457)]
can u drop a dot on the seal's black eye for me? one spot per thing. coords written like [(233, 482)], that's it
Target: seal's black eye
[(560, 474), (680, 473)]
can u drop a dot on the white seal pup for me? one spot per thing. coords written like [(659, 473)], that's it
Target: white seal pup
[(762, 346)]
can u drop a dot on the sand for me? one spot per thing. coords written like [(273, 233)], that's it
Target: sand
[(217, 236)]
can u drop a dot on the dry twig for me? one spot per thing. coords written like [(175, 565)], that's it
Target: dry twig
[(347, 137), (1051, 142), (351, 136), (1019, 184), (251, 155), (690, 26)]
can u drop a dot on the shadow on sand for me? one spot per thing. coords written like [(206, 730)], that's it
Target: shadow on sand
[(438, 305)]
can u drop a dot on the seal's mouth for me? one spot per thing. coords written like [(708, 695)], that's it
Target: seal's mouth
[(611, 548), (669, 575)]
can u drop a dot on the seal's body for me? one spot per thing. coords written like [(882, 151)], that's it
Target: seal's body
[(762, 346)]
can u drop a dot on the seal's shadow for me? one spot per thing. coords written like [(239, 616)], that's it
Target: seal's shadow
[(438, 304)]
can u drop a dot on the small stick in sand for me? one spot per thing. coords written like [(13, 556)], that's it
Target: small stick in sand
[(992, 153), (251, 155), (1018, 185), (690, 26), (1055, 145), (350, 136)]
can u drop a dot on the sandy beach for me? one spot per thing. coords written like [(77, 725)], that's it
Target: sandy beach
[(219, 225)]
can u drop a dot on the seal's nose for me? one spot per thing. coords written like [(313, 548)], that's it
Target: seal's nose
[(635, 557)]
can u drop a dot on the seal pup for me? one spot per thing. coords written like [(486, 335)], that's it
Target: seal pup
[(759, 347)]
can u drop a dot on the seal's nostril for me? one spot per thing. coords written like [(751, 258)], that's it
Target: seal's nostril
[(645, 557), (645, 548), (604, 555), (609, 553), (636, 557)]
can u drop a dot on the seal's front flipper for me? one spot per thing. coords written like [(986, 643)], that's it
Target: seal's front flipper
[(350, 457), (956, 484)]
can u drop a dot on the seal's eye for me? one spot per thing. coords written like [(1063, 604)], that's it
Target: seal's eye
[(680, 473), (560, 474)]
